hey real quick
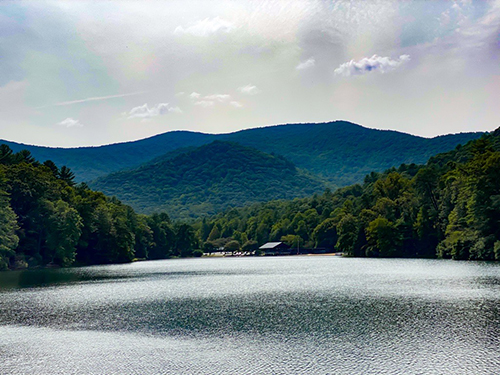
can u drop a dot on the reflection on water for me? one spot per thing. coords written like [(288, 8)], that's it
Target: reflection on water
[(284, 315)]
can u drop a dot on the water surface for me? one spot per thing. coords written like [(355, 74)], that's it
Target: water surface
[(272, 315)]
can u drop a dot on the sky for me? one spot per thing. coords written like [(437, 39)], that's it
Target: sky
[(75, 73)]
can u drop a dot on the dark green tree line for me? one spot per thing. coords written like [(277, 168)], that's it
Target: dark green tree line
[(45, 218)]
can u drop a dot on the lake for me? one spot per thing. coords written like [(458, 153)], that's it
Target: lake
[(265, 315)]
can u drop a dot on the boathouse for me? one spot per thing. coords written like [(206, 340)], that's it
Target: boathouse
[(275, 248)]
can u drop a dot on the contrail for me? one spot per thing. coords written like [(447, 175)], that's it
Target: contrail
[(93, 99)]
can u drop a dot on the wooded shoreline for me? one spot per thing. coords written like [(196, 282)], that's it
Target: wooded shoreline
[(448, 208)]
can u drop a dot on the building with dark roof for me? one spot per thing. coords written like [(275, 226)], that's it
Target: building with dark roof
[(275, 248)]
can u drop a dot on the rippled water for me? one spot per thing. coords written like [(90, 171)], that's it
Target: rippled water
[(278, 315)]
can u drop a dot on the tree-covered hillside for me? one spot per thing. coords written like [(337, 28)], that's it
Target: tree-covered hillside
[(340, 151), (449, 208), (343, 152), (88, 163), (45, 219), (208, 180)]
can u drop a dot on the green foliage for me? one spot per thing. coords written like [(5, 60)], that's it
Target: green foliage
[(340, 151), (250, 246), (209, 247), (382, 237), (185, 240), (67, 175), (163, 236), (325, 233), (8, 225), (63, 225), (46, 219), (447, 208), (497, 250), (232, 246), (198, 253), (208, 180), (347, 235), (293, 241)]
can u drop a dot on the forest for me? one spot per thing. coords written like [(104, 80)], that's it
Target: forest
[(47, 219), (448, 208), (207, 180), (339, 151)]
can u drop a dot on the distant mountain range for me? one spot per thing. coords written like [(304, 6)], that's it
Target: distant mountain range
[(209, 179), (340, 152)]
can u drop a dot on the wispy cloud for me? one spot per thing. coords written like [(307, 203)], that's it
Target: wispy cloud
[(144, 111), (70, 123), (370, 64), (218, 97), (175, 109), (309, 63), (208, 101), (236, 104), (93, 99), (206, 27), (249, 90), (205, 103)]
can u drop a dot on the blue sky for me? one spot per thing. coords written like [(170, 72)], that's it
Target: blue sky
[(79, 73)]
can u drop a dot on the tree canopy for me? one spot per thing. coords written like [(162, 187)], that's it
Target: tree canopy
[(46, 219), (448, 208), (209, 179)]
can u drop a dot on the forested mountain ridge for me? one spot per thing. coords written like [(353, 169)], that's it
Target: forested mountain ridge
[(343, 152), (339, 151), (448, 208), (89, 163), (208, 179), (462, 154)]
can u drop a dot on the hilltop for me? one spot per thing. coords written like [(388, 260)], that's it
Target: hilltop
[(340, 152), (209, 179)]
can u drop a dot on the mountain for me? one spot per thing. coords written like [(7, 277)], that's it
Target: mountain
[(209, 179), (339, 151), (89, 163), (447, 208), (343, 152), (462, 154)]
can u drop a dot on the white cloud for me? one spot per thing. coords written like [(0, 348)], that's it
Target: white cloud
[(236, 104), (218, 97), (144, 111), (209, 100), (179, 94), (371, 64), (249, 89), (206, 27), (205, 103), (309, 63), (175, 109), (70, 123)]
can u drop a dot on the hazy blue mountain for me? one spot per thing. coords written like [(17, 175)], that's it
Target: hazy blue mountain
[(209, 179), (89, 163), (339, 151)]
